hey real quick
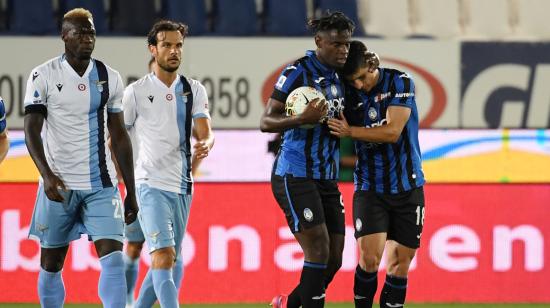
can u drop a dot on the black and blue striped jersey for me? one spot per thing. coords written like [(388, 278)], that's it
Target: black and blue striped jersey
[(388, 168), (2, 116), (310, 153)]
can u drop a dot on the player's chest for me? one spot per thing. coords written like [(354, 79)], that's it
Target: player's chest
[(162, 104), (374, 110), (76, 95)]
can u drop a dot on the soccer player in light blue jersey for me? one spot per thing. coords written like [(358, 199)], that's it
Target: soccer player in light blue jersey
[(162, 109), (388, 203), (76, 101)]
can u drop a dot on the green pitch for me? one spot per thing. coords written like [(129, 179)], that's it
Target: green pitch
[(345, 305)]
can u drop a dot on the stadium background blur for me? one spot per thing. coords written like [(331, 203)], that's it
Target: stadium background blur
[(482, 70)]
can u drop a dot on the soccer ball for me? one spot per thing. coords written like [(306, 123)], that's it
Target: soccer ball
[(298, 99)]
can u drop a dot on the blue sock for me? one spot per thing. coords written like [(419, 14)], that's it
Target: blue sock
[(178, 273), (147, 296), (131, 267), (51, 290), (165, 288), (112, 284)]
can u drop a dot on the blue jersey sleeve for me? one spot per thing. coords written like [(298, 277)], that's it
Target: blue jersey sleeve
[(289, 79), (2, 116), (403, 93)]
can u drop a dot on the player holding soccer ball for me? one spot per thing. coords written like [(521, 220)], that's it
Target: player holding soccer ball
[(388, 203), (306, 168)]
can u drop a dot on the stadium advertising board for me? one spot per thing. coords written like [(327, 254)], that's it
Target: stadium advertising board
[(449, 156), (478, 245), (505, 85), (240, 79)]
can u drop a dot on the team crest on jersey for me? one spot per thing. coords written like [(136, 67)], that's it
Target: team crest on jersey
[(81, 87), (373, 114), (184, 96), (334, 90), (99, 85), (308, 214), (169, 97)]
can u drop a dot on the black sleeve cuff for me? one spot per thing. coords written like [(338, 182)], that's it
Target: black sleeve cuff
[(36, 109), (279, 95)]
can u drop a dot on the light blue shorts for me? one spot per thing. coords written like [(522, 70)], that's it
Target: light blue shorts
[(133, 232), (163, 217), (97, 213)]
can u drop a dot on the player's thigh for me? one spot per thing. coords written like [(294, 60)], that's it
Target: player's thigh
[(156, 216), (102, 214), (300, 200), (181, 211), (370, 215), (407, 217), (55, 224), (333, 206)]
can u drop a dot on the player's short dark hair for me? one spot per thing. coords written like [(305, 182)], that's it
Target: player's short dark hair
[(165, 25), (331, 21), (357, 58)]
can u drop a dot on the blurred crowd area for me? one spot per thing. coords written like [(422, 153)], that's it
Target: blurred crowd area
[(392, 19)]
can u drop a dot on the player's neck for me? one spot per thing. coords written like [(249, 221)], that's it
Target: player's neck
[(79, 66), (166, 77)]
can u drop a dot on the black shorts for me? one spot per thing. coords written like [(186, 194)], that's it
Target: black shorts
[(401, 216), (308, 203)]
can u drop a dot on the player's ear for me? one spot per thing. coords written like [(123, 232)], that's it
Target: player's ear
[(153, 50), (318, 40)]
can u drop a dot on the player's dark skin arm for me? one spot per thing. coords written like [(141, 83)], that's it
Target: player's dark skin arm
[(122, 148), (396, 118), (33, 127), (274, 119)]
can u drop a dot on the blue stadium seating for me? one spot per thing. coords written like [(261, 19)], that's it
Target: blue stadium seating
[(96, 7), (285, 17), (348, 7), (130, 17), (31, 17), (191, 12), (235, 18)]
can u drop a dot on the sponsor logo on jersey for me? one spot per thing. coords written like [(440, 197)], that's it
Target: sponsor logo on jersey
[(382, 96), (151, 97), (34, 75), (59, 86)]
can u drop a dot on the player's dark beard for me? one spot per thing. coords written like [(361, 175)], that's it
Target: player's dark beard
[(168, 68)]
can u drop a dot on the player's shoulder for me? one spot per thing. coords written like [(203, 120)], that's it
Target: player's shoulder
[(396, 75), (111, 71), (46, 67), (297, 67), (195, 84)]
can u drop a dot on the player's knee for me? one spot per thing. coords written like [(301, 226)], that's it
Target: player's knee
[(369, 262), (133, 249), (318, 251), (52, 265), (163, 258)]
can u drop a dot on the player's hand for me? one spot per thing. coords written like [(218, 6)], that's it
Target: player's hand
[(314, 112), (201, 149), (52, 185), (373, 61), (130, 209), (339, 127)]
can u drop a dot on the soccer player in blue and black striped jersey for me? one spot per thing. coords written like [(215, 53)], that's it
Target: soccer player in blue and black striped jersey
[(4, 141), (388, 203), (306, 168)]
